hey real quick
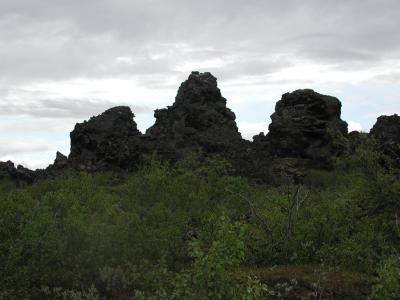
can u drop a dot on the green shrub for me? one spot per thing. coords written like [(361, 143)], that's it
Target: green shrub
[(388, 283), (212, 273)]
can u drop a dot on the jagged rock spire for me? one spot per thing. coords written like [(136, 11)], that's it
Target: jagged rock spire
[(198, 118), (306, 126), (105, 140)]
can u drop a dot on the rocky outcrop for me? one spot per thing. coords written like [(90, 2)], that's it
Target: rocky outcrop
[(19, 175), (60, 164), (306, 130), (61, 161), (387, 133), (199, 119), (109, 140), (305, 124)]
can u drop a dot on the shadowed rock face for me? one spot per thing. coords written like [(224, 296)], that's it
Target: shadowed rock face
[(107, 140), (302, 126), (199, 118), (18, 175), (60, 164), (387, 132)]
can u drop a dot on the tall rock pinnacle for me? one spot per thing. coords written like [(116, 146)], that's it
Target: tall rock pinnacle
[(199, 118)]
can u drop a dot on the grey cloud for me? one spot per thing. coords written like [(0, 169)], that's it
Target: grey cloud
[(8, 147), (67, 39), (300, 83), (23, 125), (392, 77), (249, 67), (62, 108)]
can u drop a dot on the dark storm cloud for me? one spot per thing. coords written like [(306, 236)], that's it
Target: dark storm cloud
[(46, 39)]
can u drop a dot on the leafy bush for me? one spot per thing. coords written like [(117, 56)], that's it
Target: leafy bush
[(212, 274), (186, 230), (388, 283)]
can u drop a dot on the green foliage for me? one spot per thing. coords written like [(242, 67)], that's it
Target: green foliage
[(388, 283), (59, 293), (212, 274), (186, 230)]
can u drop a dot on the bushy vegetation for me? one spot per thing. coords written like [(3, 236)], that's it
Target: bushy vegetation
[(192, 231)]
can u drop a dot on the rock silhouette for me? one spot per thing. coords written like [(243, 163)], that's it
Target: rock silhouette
[(106, 141), (387, 132), (17, 175), (306, 126), (198, 119)]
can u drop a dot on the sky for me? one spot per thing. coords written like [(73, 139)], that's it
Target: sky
[(63, 61)]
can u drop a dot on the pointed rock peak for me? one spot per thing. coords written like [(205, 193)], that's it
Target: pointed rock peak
[(198, 118), (199, 88), (106, 139), (61, 159)]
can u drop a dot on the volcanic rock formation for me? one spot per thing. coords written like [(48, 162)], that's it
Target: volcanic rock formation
[(306, 130), (17, 175), (387, 132), (304, 125), (199, 119), (106, 141)]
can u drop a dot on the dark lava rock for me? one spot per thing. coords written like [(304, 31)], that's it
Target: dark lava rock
[(199, 119), (17, 175), (106, 141), (61, 160), (60, 164), (305, 124), (387, 132)]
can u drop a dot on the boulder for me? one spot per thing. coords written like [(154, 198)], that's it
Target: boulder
[(198, 119), (387, 133), (109, 140), (305, 124)]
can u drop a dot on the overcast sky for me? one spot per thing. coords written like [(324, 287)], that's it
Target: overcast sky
[(62, 61)]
